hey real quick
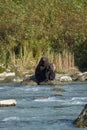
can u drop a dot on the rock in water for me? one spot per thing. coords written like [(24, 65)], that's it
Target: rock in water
[(8, 102), (81, 121)]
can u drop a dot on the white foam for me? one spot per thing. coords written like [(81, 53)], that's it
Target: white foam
[(11, 119), (49, 99), (75, 101), (1, 87), (25, 89), (79, 98), (31, 89), (72, 101)]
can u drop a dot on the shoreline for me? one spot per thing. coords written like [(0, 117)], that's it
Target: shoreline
[(7, 77)]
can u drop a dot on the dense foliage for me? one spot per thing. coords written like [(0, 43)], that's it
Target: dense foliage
[(32, 28)]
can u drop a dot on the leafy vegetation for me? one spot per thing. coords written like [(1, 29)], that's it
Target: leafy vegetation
[(30, 29)]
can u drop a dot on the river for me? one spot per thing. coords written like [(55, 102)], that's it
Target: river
[(41, 108)]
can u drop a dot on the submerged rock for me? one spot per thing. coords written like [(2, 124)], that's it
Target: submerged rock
[(81, 121), (51, 82), (9, 102), (58, 90)]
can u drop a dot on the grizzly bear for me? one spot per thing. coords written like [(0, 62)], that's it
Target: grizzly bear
[(44, 71)]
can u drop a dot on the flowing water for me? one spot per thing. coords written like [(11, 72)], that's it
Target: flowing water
[(42, 108)]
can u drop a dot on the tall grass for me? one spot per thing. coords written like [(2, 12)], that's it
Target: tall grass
[(35, 28)]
